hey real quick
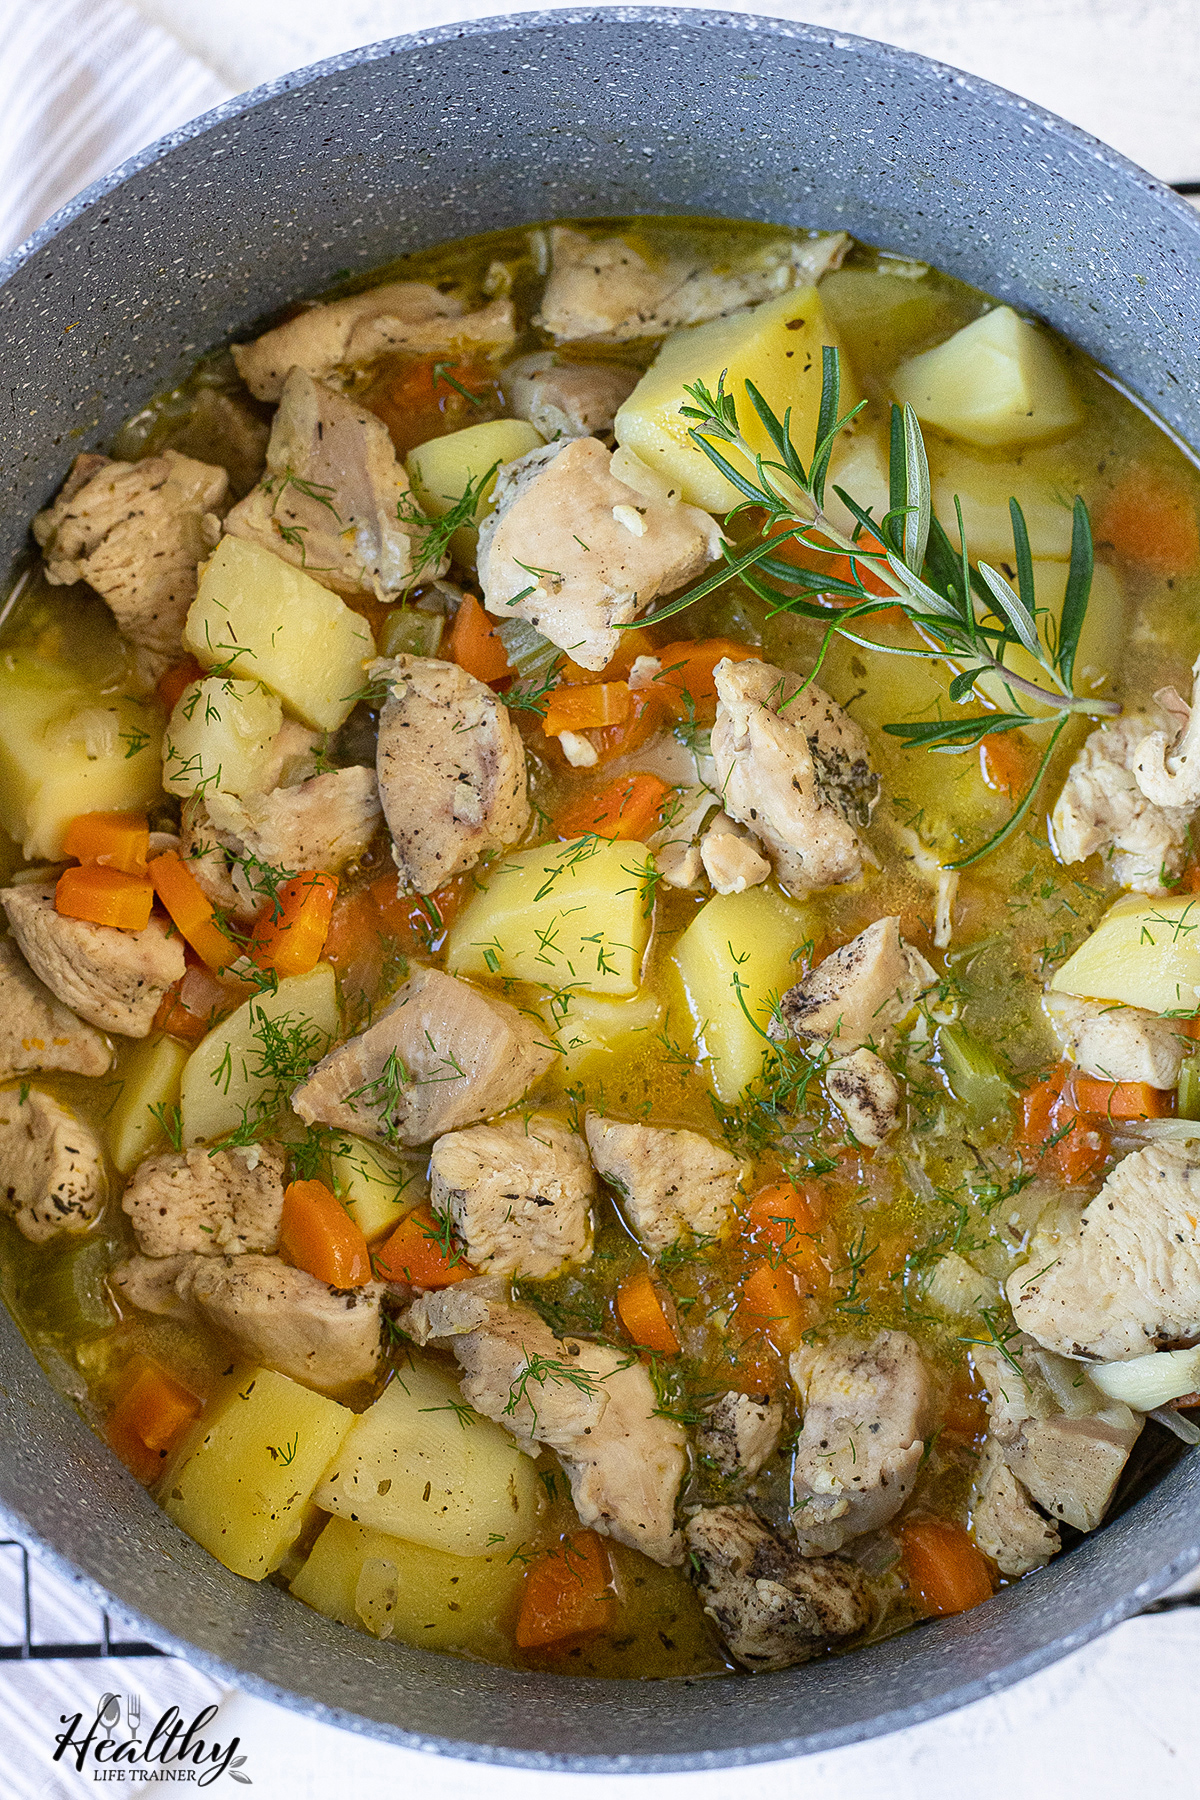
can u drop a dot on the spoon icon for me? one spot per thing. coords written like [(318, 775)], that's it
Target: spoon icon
[(109, 1713)]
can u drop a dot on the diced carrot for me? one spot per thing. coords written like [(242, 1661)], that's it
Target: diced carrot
[(642, 1312), (116, 840), (772, 1302), (104, 897), (568, 1593), (191, 1008), (192, 912), (1187, 1028), (174, 682), (646, 716), (837, 567), (965, 1413), (1149, 520), (627, 808), (788, 1218), (685, 683), (473, 643), (586, 708), (417, 1253), (1189, 881), (317, 1234), (289, 933), (1185, 1402), (1053, 1133), (633, 643), (1120, 1099), (423, 397), (1007, 762), (151, 1414), (948, 1572), (417, 921)]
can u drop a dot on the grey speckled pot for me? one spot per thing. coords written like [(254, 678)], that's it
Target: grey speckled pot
[(426, 138)]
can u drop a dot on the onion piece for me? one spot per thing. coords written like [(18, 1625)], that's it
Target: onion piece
[(1148, 1382), (1183, 1428)]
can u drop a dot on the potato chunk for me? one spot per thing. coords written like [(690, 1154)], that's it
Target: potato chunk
[(256, 617), (1000, 380), (1100, 642), (248, 1064), (221, 735), (777, 346), (241, 1480), (1144, 952), (150, 1075), (735, 959), (376, 1188), (443, 469), (421, 1465), (574, 916)]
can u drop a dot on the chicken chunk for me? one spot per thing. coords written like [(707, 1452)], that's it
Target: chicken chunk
[(604, 289), (1064, 1442), (857, 994), (148, 1283), (1004, 1521), (51, 1165), (867, 1095), (796, 770), (1117, 1043), (324, 823), (1167, 762), (39, 1032), (1102, 809), (401, 315), (451, 769), (113, 979), (739, 1433), (441, 1056), (520, 1194), (670, 1182), (866, 1413), (334, 498), (135, 532), (326, 1337), (577, 552), (213, 1205), (565, 399), (593, 1405), (1125, 1279), (772, 1607), (730, 859)]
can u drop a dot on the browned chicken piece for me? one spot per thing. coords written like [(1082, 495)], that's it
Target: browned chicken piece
[(39, 1032), (334, 498), (857, 994), (867, 1095), (401, 315), (594, 1405), (867, 1410), (1005, 1523), (1103, 811), (519, 1194), (325, 1337), (451, 768), (670, 1182), (793, 767), (217, 1204), (148, 1284), (1117, 1043), (605, 290), (135, 532), (324, 823), (577, 552), (441, 1056), (1066, 1443), (51, 1165), (772, 1607), (739, 1432), (113, 979), (566, 399), (1122, 1278)]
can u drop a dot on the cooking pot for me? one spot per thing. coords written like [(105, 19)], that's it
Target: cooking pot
[(459, 130)]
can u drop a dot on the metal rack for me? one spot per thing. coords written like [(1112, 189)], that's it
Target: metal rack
[(26, 1649)]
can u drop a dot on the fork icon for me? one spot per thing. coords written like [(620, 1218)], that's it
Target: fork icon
[(133, 1712)]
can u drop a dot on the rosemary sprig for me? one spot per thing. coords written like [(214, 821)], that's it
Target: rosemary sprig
[(967, 614)]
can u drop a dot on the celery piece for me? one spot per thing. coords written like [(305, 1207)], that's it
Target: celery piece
[(1187, 1094), (972, 1073), (410, 631), (528, 652)]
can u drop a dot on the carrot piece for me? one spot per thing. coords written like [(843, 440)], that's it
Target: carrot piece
[(948, 1572), (192, 1007), (685, 683), (1053, 1133), (289, 933), (417, 921), (417, 1252), (584, 708), (317, 1234), (787, 1217), (192, 912), (837, 567), (634, 643), (642, 1312), (568, 1593), (1121, 1099), (473, 643), (1007, 762), (772, 1302), (104, 897), (627, 808), (174, 682), (117, 840), (1149, 519), (151, 1414), (423, 397)]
